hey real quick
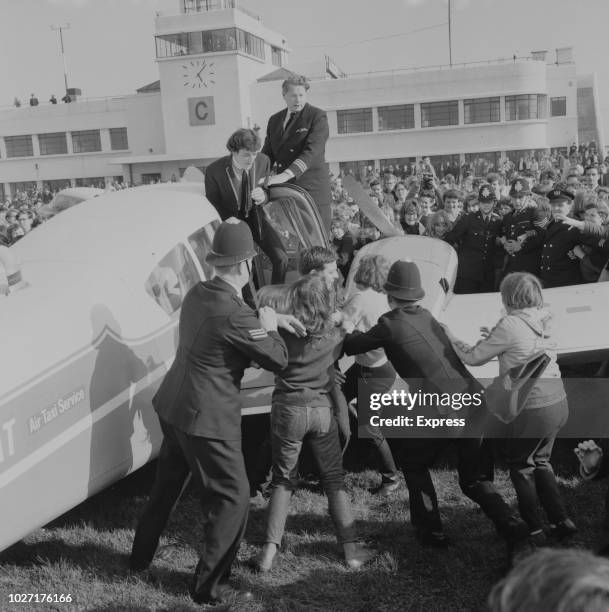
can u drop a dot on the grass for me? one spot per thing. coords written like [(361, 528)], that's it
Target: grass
[(85, 551)]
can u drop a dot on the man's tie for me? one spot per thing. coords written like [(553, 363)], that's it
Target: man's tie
[(245, 194), (290, 119)]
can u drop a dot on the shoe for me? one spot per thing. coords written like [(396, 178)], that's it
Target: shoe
[(385, 489), (264, 559), (433, 539), (228, 596), (513, 529), (564, 529), (357, 554)]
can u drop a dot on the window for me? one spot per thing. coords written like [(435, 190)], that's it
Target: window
[(276, 56), (398, 162), (481, 110), (483, 163), (210, 41), (151, 178), (435, 114), (358, 169), (118, 139), (53, 144), (58, 184), (354, 120), (297, 227), (86, 141), (558, 107), (201, 242), (23, 187), (400, 117), (19, 146), (528, 106), (172, 278), (445, 164), (91, 181)]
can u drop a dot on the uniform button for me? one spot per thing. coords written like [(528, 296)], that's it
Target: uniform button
[(291, 150)]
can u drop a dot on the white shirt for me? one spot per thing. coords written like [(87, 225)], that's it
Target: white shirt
[(363, 309)]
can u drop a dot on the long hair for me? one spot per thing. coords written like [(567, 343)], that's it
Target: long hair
[(433, 220), (372, 272), (275, 296), (313, 303)]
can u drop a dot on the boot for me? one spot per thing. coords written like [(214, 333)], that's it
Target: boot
[(357, 555)]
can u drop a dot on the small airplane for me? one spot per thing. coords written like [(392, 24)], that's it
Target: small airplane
[(89, 329), (90, 320)]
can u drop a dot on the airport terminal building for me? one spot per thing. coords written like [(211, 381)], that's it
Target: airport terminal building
[(220, 68)]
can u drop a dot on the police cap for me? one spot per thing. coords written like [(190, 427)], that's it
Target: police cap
[(519, 187), (233, 243), (486, 194)]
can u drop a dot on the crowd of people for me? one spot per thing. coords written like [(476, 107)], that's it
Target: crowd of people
[(497, 222), (28, 208)]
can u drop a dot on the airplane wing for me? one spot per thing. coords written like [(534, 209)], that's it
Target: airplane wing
[(367, 206), (579, 326)]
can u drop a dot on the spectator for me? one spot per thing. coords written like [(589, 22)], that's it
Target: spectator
[(33, 100), (53, 99), (17, 102), (451, 205), (410, 219), (343, 244), (550, 580), (438, 225), (67, 99)]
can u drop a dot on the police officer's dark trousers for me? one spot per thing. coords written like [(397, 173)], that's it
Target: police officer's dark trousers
[(219, 473), (416, 457)]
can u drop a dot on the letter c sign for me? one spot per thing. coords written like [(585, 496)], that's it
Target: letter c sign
[(201, 111)]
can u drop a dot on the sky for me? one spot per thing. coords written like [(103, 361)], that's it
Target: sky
[(110, 44)]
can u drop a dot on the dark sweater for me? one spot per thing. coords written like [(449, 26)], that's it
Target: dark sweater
[(309, 375)]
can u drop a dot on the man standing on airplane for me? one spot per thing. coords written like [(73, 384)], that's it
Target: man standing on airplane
[(296, 143), (232, 186), (199, 409)]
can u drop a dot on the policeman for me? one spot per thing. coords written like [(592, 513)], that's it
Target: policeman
[(558, 266), (518, 228), (419, 349), (477, 233), (199, 409)]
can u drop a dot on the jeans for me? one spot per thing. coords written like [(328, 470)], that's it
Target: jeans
[(376, 380), (290, 426), (528, 454)]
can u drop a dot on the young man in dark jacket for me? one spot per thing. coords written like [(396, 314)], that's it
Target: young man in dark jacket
[(419, 349)]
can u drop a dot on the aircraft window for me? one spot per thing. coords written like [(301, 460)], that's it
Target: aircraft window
[(63, 201), (201, 242), (291, 217), (172, 278)]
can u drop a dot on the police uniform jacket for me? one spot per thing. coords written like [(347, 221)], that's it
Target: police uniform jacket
[(477, 242), (301, 149), (220, 190), (557, 269), (530, 221), (418, 348), (219, 336)]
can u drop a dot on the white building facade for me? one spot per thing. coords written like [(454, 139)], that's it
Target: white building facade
[(220, 69)]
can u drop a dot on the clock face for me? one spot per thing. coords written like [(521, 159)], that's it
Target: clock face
[(198, 73)]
